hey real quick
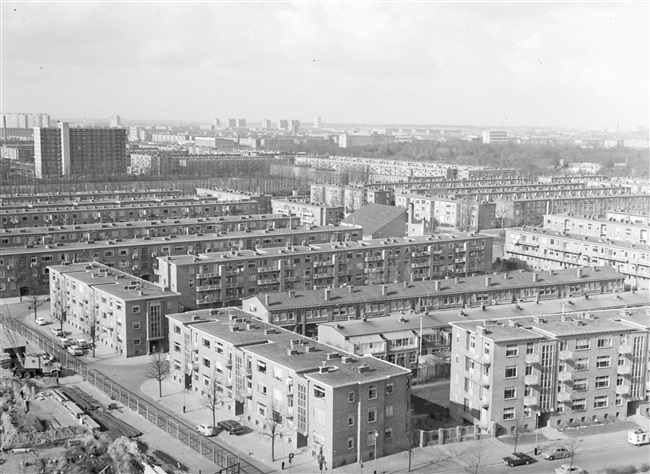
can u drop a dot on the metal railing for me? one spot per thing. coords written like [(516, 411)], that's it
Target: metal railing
[(229, 462)]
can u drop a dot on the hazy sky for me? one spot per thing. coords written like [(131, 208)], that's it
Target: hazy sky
[(544, 64)]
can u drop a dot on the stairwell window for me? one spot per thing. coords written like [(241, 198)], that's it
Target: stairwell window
[(509, 414), (512, 350)]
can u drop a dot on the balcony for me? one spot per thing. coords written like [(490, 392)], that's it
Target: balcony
[(563, 396), (531, 379), (530, 401), (484, 380), (485, 402), (420, 254), (485, 360), (625, 349), (208, 287), (419, 264), (565, 376), (206, 275), (229, 363), (532, 358), (248, 372), (323, 264), (373, 270), (316, 276), (622, 390), (267, 269), (375, 258), (624, 369), (565, 355), (270, 281)]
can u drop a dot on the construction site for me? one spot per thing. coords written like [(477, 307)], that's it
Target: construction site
[(51, 425)]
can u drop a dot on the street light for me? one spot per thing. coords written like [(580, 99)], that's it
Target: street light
[(374, 461)]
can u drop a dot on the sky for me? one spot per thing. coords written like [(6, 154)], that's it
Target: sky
[(560, 64)]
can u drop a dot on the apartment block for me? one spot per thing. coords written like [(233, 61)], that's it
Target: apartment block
[(66, 151), (76, 196), (602, 228), (543, 249), (303, 311), (30, 236), (23, 270), (125, 313), (433, 211), (629, 217), (556, 371), (230, 195), (319, 259), (104, 212), (310, 214), (321, 398)]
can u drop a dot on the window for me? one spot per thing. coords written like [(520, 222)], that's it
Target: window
[(350, 420), (508, 414), (580, 385), (177, 347), (206, 343), (604, 342), (582, 344), (581, 364), (601, 402), (261, 367), (136, 325), (388, 433), (372, 415), (510, 393), (351, 442), (602, 381), (372, 392), (389, 411), (136, 342), (603, 362), (579, 404), (319, 392), (177, 329), (530, 348), (261, 409), (371, 438), (528, 412), (389, 388), (135, 309), (351, 397), (511, 371), (619, 400), (206, 362), (261, 388), (512, 350)]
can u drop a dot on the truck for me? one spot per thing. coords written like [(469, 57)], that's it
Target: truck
[(638, 437), (31, 365)]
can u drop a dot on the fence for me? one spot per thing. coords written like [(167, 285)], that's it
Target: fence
[(456, 434), (229, 462)]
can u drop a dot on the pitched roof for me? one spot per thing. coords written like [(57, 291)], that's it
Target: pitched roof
[(373, 217)]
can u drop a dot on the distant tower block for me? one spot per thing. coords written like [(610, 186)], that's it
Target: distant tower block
[(241, 123), (217, 123), (116, 121), (266, 123), (232, 123), (317, 122), (295, 126), (283, 124)]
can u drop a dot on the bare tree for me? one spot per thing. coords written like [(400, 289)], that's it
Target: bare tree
[(517, 432), (213, 395), (573, 446), (475, 458), (35, 301), (272, 426), (433, 457), (158, 369)]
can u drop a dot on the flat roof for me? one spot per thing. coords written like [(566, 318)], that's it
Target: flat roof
[(579, 237), (395, 322), (254, 337), (113, 282), (400, 291)]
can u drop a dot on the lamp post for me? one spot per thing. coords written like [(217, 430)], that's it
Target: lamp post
[(374, 460)]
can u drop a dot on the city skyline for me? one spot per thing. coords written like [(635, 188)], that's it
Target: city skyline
[(483, 64)]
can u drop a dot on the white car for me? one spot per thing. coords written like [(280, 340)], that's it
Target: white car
[(41, 321), (75, 350), (569, 469), (57, 332), (206, 430)]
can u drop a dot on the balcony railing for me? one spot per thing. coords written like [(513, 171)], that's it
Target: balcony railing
[(565, 376), (532, 358), (531, 379), (419, 264), (208, 287), (530, 400), (485, 402), (623, 369), (563, 396), (625, 349), (375, 258), (566, 355), (207, 275), (622, 389)]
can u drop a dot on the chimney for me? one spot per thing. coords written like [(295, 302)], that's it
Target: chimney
[(579, 273), (384, 290), (363, 368), (266, 300), (488, 281), (550, 272), (481, 330), (437, 285), (292, 293), (535, 277), (505, 276), (327, 294), (350, 289), (406, 284), (456, 279)]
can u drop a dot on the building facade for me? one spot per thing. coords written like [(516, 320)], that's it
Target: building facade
[(342, 406), (123, 312)]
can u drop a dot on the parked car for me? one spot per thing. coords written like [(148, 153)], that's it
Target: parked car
[(569, 469), (517, 459), (75, 350), (556, 452), (41, 321), (57, 332), (84, 344), (64, 341), (206, 430), (231, 426)]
